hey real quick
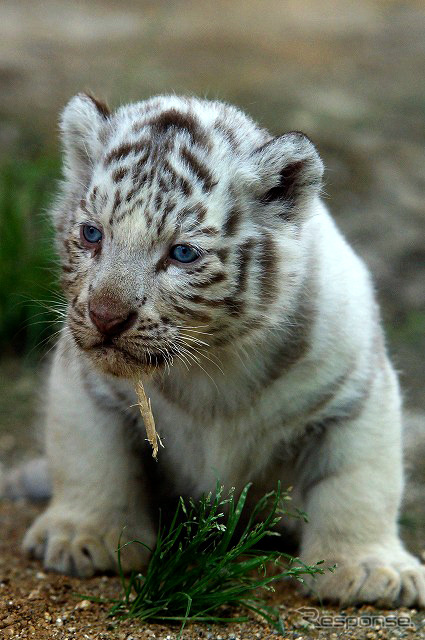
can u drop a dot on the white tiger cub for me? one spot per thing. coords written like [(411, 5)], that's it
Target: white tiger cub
[(195, 249)]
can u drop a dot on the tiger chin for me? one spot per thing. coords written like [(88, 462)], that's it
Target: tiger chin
[(195, 247)]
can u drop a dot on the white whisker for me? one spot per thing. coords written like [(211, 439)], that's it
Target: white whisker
[(196, 360), (195, 340), (202, 354)]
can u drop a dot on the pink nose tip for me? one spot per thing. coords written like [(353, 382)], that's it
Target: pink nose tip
[(110, 318)]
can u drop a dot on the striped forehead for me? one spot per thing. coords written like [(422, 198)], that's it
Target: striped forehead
[(156, 175), (156, 214)]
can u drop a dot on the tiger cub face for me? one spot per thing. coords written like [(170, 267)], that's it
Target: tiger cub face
[(180, 228)]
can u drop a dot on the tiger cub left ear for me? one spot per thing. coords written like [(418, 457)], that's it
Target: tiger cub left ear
[(290, 174), (81, 123)]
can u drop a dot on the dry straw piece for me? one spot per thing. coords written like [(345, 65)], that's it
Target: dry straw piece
[(148, 419)]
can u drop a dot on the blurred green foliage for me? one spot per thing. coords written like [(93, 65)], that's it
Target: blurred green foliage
[(408, 327), (28, 271)]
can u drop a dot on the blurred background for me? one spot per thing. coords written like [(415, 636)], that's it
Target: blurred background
[(349, 73)]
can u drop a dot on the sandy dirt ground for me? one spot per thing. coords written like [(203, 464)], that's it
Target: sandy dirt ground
[(45, 606)]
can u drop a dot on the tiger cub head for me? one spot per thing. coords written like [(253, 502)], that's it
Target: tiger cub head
[(180, 229)]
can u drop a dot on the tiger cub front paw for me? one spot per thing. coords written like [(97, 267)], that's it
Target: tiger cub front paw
[(82, 545)]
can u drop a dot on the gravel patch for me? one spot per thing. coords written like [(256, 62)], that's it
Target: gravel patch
[(42, 605)]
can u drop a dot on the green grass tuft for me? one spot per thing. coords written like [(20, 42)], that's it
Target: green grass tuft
[(28, 273), (202, 563)]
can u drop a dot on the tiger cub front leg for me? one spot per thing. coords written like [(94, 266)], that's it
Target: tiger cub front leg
[(98, 488), (352, 499)]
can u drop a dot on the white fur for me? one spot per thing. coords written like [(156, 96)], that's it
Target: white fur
[(347, 476)]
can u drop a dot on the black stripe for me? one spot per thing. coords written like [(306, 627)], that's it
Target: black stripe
[(295, 342), (234, 306), (268, 261), (184, 185), (170, 172), (185, 311), (196, 211), (199, 170), (173, 119), (228, 134), (79, 312), (209, 231), (223, 254), (121, 152), (119, 174), (201, 212), (197, 299), (93, 195), (235, 303), (199, 269), (232, 221), (158, 200), (215, 279), (243, 257), (101, 107), (83, 207), (136, 187), (167, 209), (141, 162), (129, 211), (117, 201)]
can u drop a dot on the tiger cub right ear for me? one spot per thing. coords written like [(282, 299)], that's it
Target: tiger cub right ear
[(290, 172), (81, 123)]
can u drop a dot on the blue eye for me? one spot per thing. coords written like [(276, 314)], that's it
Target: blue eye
[(91, 234), (183, 253)]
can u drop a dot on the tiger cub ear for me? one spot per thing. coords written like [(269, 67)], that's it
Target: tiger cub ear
[(81, 123), (289, 172)]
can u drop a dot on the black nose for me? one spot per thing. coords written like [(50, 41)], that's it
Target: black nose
[(111, 318)]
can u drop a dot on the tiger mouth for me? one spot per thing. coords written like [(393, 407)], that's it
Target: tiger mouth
[(146, 359)]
